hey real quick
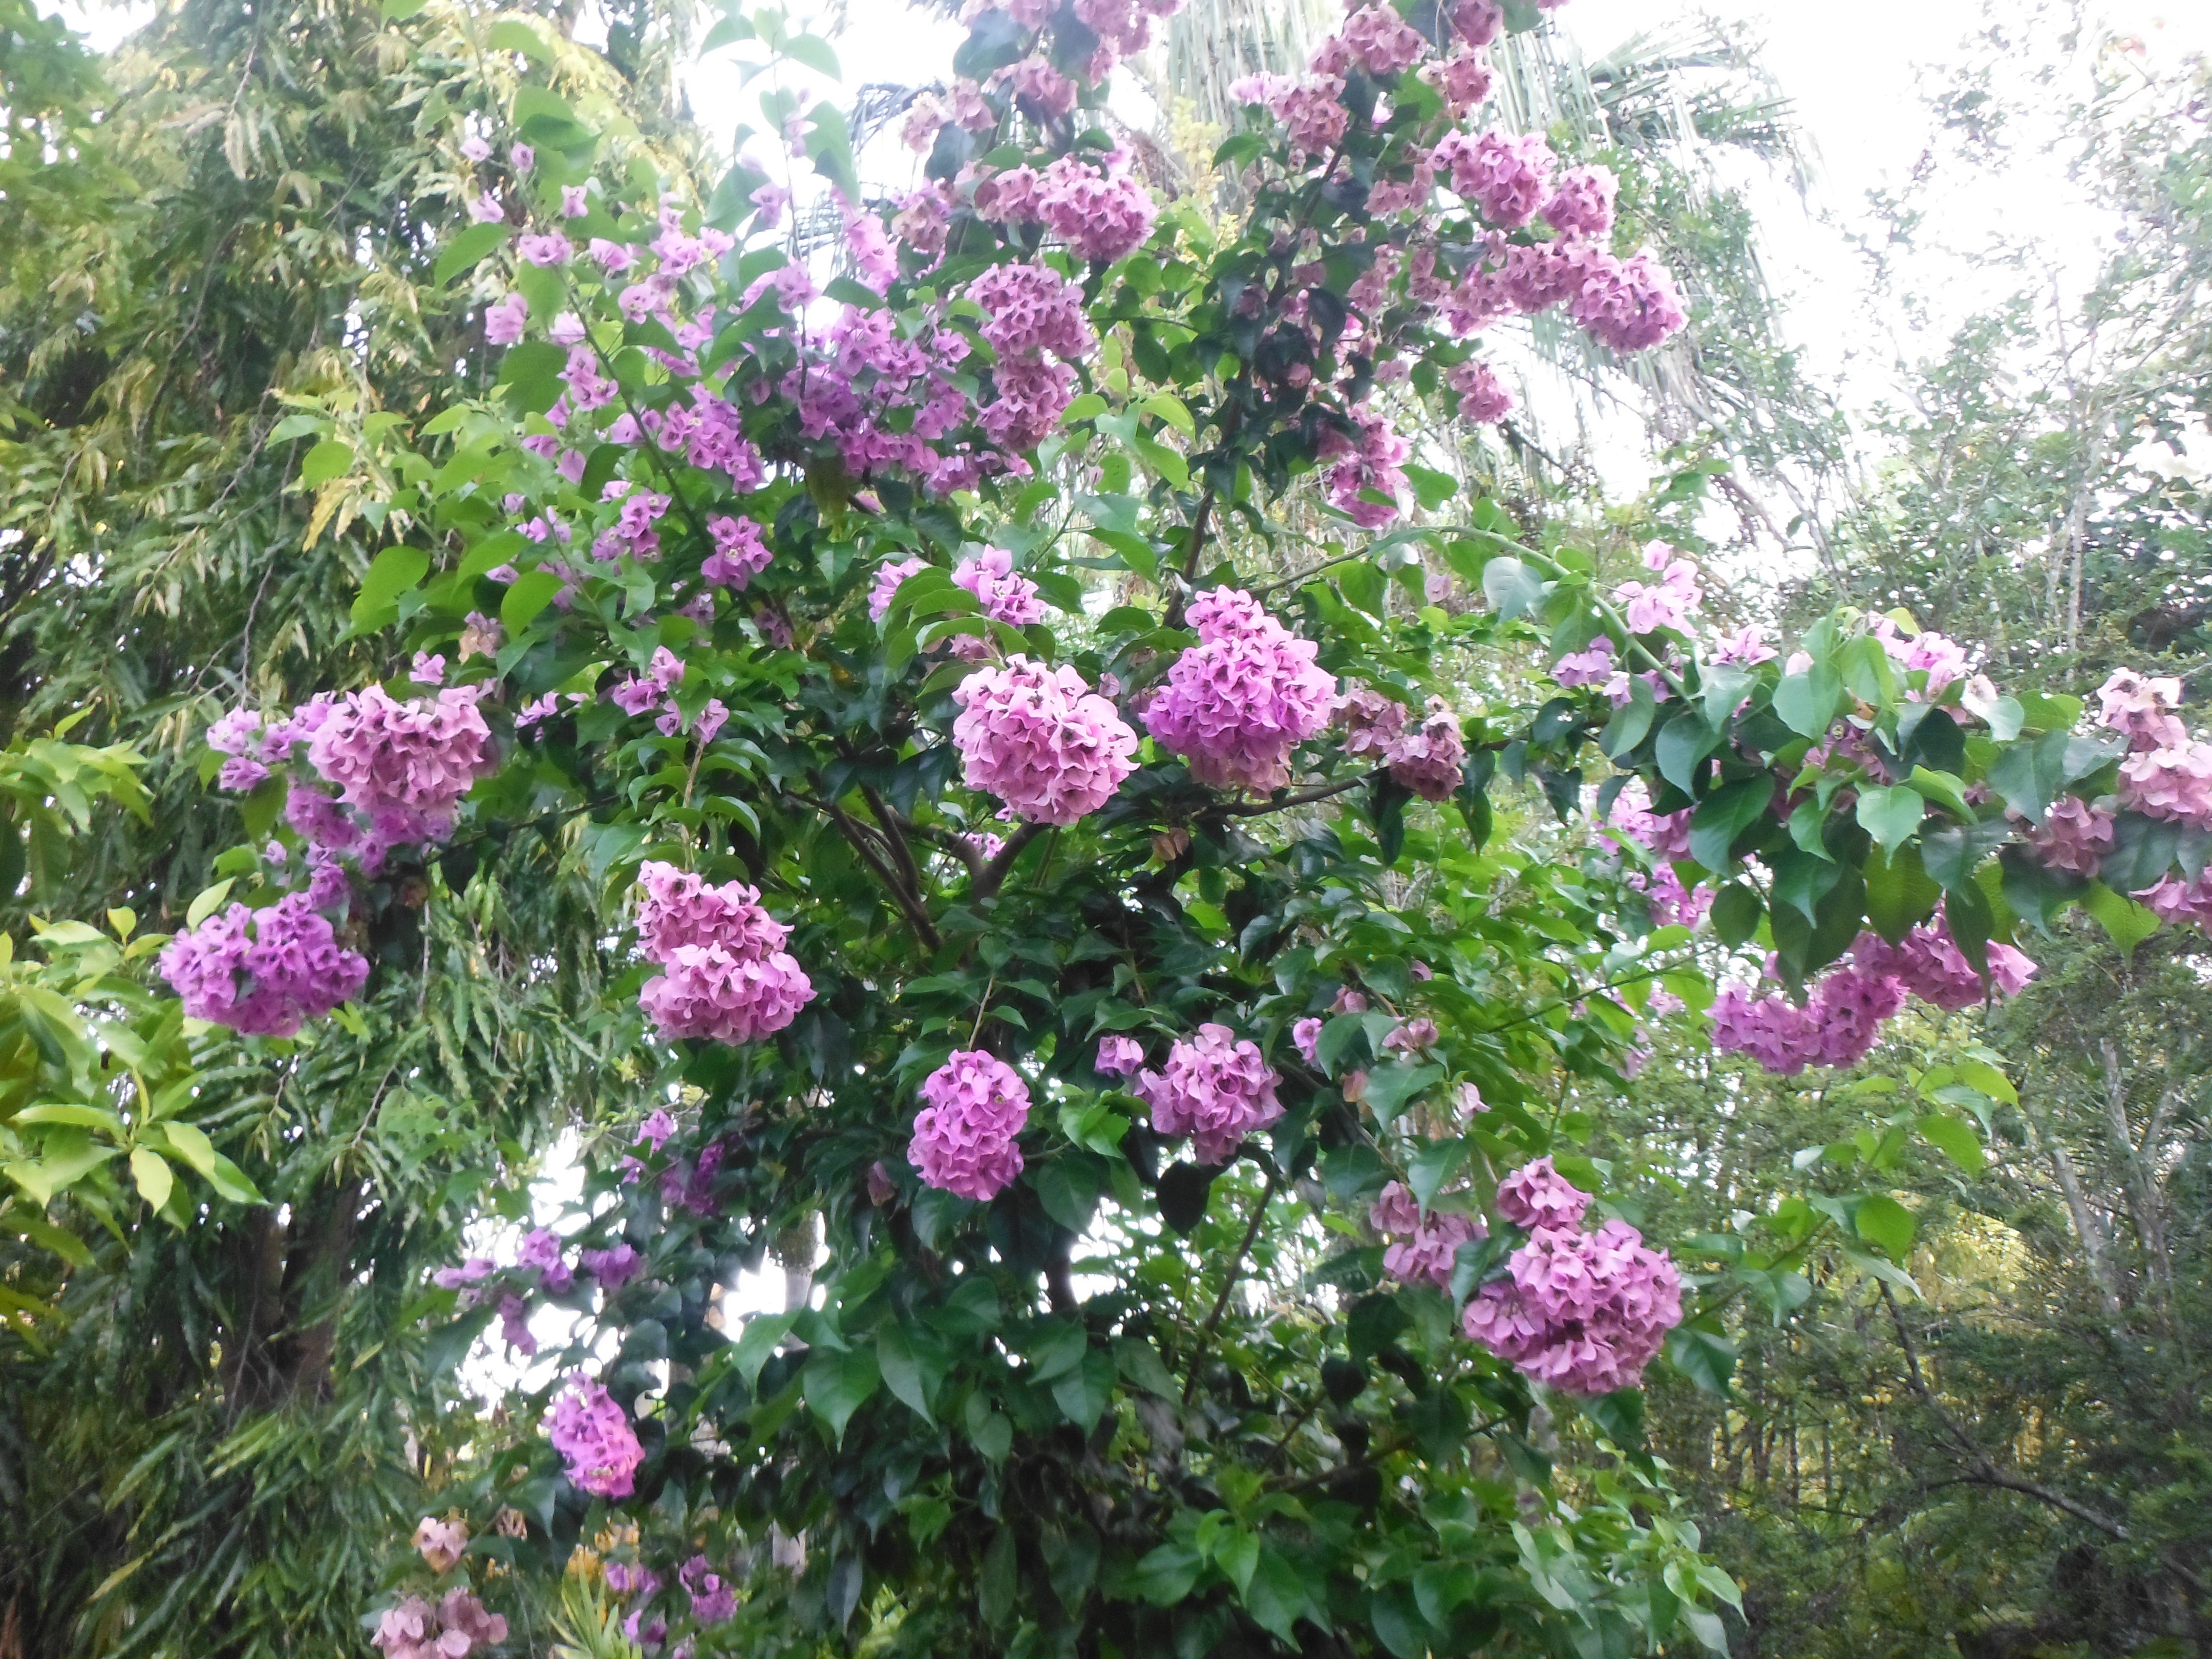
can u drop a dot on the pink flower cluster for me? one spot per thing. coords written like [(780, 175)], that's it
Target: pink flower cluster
[(1004, 594), (973, 1106), (1844, 1012), (2173, 783), (1582, 1312), (1428, 759), (1928, 963), (1842, 1017), (2178, 901), (440, 1543), (1119, 1056), (1237, 703), (414, 759), (1665, 835), (594, 1435), (1506, 176), (262, 973), (452, 1629), (888, 575), (713, 1600), (1538, 1196), (727, 977), (2073, 837), (1425, 1248), (1364, 465), (1943, 659), (2142, 708), (1668, 603), (741, 552), (1215, 1089), (1041, 740), (1034, 320), (1483, 399)]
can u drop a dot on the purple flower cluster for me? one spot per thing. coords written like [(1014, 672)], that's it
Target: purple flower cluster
[(1425, 1248), (1428, 759), (1582, 1312), (1041, 740), (452, 1629), (741, 552), (594, 1435), (726, 978), (972, 1106), (262, 973), (1215, 1089), (713, 1600), (1237, 703)]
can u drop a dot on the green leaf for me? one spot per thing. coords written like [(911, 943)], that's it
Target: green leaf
[(1684, 742), (328, 459), (390, 573), (813, 51), (531, 592), (218, 1171), (1390, 1087), (1724, 815), (1432, 1166), (1141, 1363), (763, 1336), (1892, 815), (1513, 589), (155, 1182), (1898, 894), (2128, 922), (836, 1385), (988, 1430), (1276, 1597), (1084, 1394), (1807, 702), (999, 1582), (509, 34), (1724, 687), (2031, 775), (1706, 1357), (1736, 913), (901, 1373), (1956, 1139), (1166, 1576), (467, 250), (1630, 722), (1881, 1220)]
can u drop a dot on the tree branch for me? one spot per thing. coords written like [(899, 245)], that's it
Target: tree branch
[(1982, 1471), (873, 850), (994, 875), (1304, 797)]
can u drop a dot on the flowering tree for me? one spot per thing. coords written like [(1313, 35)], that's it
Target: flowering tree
[(1084, 964)]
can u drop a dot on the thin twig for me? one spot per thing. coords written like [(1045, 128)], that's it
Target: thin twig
[(1228, 1284)]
